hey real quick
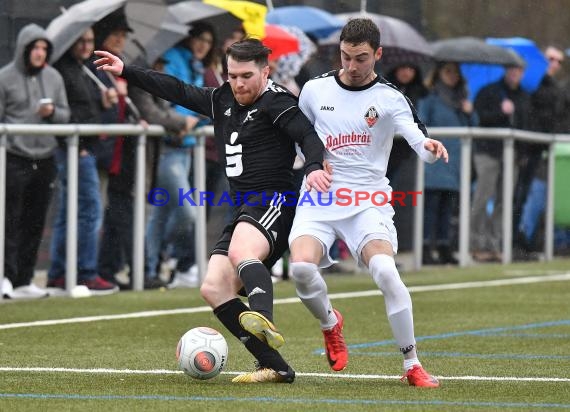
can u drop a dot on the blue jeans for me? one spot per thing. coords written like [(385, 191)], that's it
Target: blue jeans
[(171, 220), (438, 210), (533, 207), (88, 219)]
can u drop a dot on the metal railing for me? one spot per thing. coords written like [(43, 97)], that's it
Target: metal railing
[(73, 131), (508, 136), (466, 134)]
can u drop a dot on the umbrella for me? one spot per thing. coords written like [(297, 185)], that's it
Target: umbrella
[(252, 14), (401, 43), (280, 41), (313, 21), (146, 17), (65, 29), (536, 66), (289, 65), (153, 38), (473, 50)]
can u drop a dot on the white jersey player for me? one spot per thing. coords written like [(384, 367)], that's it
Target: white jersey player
[(357, 114)]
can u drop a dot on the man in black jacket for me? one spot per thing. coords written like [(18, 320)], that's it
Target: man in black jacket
[(547, 116), (85, 101), (257, 124), (502, 104)]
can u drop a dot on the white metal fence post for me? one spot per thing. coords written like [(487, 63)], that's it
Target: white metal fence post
[(3, 142), (200, 234), (549, 211), (508, 184), (465, 202), (137, 271), (72, 208), (418, 239)]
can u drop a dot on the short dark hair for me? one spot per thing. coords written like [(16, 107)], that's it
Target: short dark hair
[(249, 49), (361, 30)]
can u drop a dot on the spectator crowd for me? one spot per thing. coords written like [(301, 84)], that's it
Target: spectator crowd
[(35, 89)]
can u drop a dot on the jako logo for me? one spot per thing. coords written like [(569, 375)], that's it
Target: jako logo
[(329, 108)]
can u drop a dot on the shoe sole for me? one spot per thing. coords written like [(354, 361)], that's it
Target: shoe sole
[(56, 292), (276, 378), (17, 296), (97, 292), (262, 328), (431, 385), (248, 380), (181, 284), (426, 381)]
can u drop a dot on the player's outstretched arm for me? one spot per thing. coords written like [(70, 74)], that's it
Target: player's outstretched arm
[(158, 84), (109, 62), (436, 148)]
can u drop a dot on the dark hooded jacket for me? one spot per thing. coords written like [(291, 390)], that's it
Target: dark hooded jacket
[(20, 92), (83, 96)]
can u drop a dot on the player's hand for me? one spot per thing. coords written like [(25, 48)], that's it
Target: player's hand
[(109, 62), (320, 180), (437, 148)]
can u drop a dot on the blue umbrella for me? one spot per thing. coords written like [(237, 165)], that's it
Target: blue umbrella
[(479, 75), (313, 21)]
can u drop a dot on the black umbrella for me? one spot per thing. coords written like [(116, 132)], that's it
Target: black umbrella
[(474, 50)]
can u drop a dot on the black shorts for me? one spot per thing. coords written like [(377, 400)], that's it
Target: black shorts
[(274, 220)]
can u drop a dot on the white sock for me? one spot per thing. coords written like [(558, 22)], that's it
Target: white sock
[(410, 363), (397, 299), (312, 290)]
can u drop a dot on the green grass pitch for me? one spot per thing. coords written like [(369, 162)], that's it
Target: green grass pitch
[(496, 336)]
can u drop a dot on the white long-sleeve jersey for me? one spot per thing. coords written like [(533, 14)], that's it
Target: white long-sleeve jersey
[(357, 127)]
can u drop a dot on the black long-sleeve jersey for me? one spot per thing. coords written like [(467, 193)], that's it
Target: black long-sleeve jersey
[(257, 141)]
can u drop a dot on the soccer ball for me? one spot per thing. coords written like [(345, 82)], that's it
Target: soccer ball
[(202, 353)]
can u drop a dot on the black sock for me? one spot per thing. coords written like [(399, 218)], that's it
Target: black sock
[(257, 282), (228, 313)]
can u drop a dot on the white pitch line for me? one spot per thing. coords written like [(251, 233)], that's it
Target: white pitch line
[(308, 374), (85, 319), (348, 295)]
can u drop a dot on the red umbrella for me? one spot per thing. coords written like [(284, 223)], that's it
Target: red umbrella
[(279, 41)]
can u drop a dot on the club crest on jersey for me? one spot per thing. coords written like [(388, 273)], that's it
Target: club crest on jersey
[(371, 116)]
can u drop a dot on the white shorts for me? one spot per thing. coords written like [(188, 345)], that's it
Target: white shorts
[(356, 230)]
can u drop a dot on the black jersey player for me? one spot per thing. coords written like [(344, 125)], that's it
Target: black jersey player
[(256, 125)]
